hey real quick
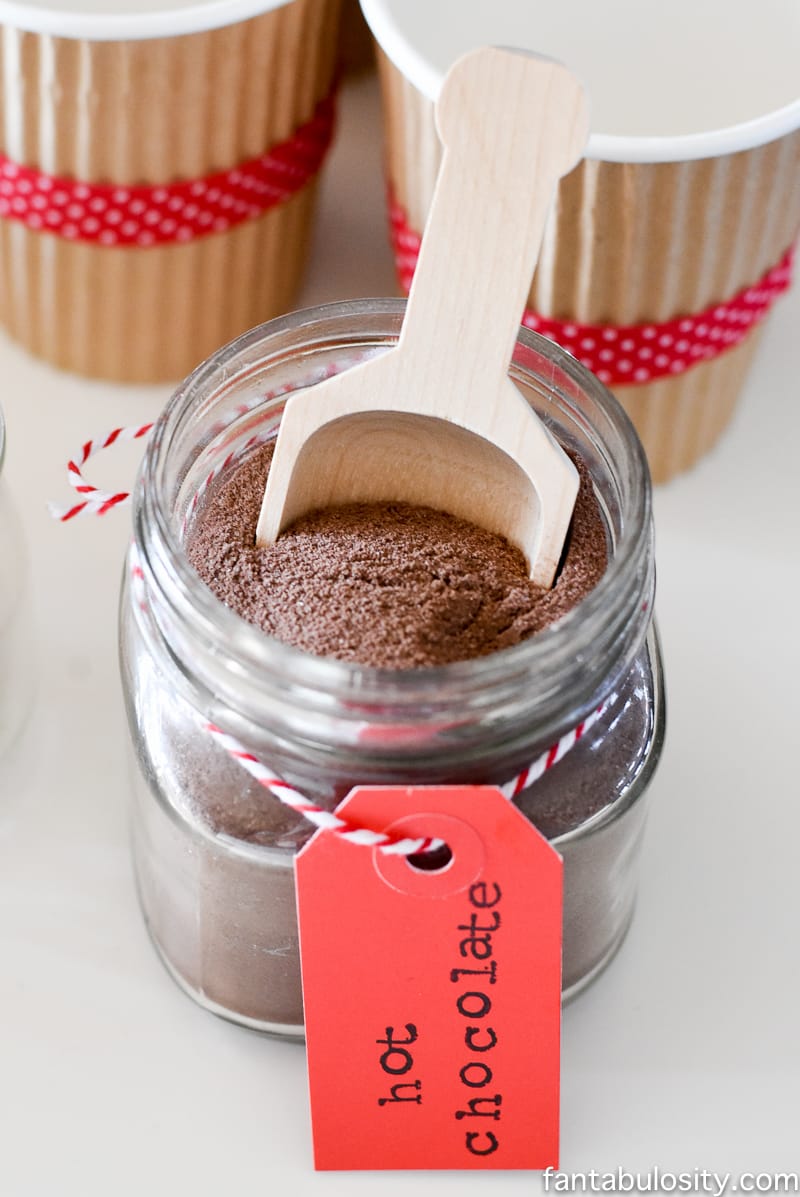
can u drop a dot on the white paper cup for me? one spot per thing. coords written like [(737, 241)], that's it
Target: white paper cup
[(153, 94), (690, 191)]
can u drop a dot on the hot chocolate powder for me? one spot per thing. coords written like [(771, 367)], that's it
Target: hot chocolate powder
[(385, 584)]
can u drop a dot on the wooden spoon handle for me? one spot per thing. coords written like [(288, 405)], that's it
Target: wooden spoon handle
[(512, 124), (436, 421)]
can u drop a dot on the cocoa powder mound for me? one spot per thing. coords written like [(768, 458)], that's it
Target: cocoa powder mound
[(385, 584)]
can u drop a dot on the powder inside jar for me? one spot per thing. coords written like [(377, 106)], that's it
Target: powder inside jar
[(382, 585), (385, 584)]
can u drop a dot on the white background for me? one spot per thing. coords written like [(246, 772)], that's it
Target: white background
[(684, 1054)]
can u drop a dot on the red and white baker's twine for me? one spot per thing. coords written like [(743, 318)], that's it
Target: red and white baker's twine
[(109, 215), (635, 353), (384, 841), (96, 501), (100, 502)]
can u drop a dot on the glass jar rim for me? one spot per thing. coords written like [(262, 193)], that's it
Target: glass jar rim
[(228, 632)]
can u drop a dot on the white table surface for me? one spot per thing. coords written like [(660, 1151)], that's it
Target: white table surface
[(684, 1055)]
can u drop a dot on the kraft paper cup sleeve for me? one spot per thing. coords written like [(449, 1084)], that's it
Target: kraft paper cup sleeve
[(153, 111), (637, 243)]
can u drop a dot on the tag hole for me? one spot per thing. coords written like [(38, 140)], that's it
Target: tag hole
[(434, 861)]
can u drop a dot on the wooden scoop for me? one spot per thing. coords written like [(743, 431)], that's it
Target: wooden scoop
[(436, 421)]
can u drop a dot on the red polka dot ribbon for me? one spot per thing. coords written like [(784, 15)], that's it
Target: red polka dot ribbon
[(142, 216), (635, 353)]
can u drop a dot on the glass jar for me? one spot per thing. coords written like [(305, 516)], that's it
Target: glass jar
[(220, 904), (16, 641)]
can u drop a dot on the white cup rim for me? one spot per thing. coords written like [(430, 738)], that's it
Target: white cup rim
[(711, 143), (607, 147), (196, 16)]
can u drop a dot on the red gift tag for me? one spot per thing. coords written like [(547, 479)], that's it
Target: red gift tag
[(432, 997)]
